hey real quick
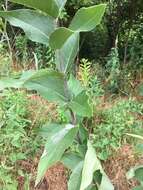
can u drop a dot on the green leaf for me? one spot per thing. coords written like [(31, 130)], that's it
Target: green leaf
[(59, 37), (51, 7), (66, 55), (139, 174), (92, 164), (49, 129), (80, 105), (36, 26), (74, 86), (16, 83), (75, 178), (71, 160), (49, 84), (87, 19), (132, 172), (55, 148), (138, 188)]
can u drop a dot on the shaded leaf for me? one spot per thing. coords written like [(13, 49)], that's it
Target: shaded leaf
[(49, 84), (74, 86), (71, 160), (55, 148), (66, 55), (75, 178), (87, 19), (80, 105), (139, 174), (59, 37), (36, 26)]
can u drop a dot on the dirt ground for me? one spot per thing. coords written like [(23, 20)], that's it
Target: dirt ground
[(117, 167)]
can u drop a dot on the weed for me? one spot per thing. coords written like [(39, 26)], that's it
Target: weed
[(109, 133), (15, 141)]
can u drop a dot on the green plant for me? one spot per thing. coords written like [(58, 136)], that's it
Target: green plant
[(113, 71), (137, 171), (16, 136), (62, 87), (114, 122)]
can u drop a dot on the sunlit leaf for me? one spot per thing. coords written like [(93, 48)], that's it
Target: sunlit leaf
[(87, 19), (55, 148)]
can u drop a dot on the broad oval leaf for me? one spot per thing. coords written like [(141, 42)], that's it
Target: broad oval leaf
[(87, 19), (55, 148), (51, 7), (74, 86), (36, 26), (59, 37), (66, 55), (49, 84), (80, 105)]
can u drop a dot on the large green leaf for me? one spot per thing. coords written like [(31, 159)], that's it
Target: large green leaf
[(75, 178), (66, 55), (59, 37), (16, 83), (74, 86), (55, 148), (49, 129), (87, 19), (80, 105), (92, 164), (37, 27), (51, 7), (49, 84)]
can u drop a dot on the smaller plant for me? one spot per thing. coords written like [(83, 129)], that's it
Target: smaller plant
[(113, 124), (137, 171), (5, 62), (113, 70), (16, 136), (84, 73)]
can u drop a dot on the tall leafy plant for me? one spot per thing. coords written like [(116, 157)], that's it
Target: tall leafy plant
[(40, 24)]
